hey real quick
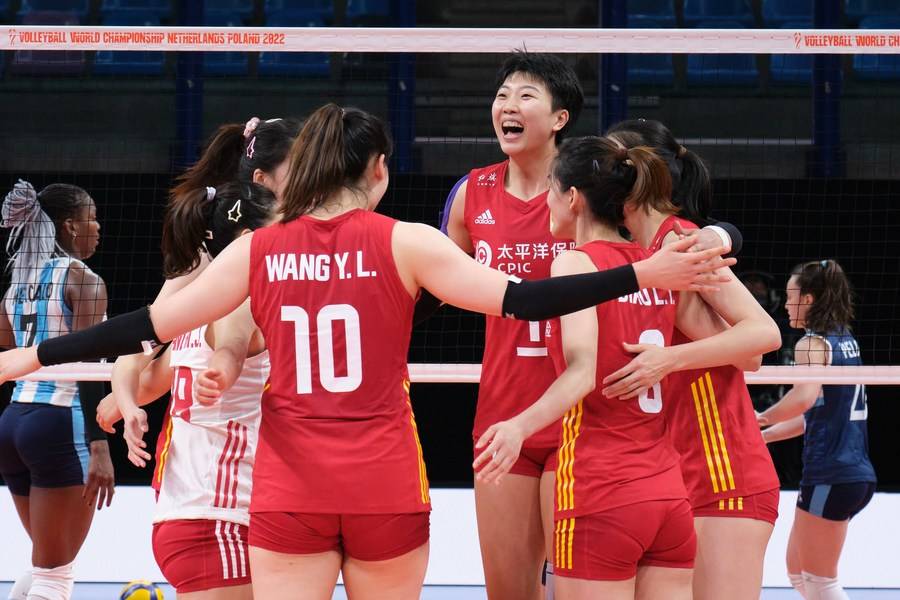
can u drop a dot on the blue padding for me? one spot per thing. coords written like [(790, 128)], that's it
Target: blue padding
[(78, 7), (325, 7), (862, 9), (368, 8), (878, 67), (130, 63), (244, 8), (696, 11), (650, 69), (310, 64), (776, 13), (160, 8)]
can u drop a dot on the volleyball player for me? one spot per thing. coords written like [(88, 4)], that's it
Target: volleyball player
[(254, 152), (499, 214), (205, 453), (623, 524), (838, 478), (339, 482), (728, 471), (55, 465)]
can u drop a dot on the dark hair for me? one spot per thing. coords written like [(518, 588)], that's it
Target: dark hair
[(560, 79), (692, 187), (609, 176), (332, 152), (35, 219), (62, 201), (832, 306), (212, 218), (227, 156)]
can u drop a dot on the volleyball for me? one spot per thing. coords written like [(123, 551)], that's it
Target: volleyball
[(141, 589)]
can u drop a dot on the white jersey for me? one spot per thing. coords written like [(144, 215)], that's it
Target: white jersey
[(205, 454), (38, 311)]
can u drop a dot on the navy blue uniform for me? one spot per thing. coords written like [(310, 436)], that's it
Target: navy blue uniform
[(42, 431), (838, 477)]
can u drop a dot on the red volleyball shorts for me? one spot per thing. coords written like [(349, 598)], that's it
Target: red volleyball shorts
[(364, 537), (201, 554), (532, 462), (611, 545), (762, 507)]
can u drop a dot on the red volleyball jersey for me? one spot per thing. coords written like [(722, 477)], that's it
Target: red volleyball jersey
[(514, 237), (713, 426), (338, 433), (616, 452)]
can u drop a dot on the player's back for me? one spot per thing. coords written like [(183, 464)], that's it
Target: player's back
[(337, 433), (511, 235), (614, 452), (836, 440), (38, 311), (713, 426), (205, 454)]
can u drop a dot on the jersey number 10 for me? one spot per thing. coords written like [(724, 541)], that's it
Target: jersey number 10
[(324, 341)]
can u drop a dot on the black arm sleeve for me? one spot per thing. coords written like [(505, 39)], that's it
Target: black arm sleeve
[(90, 393), (737, 240), (555, 296), (427, 305), (124, 334)]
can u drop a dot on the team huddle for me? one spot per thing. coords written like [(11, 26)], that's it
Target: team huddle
[(616, 450)]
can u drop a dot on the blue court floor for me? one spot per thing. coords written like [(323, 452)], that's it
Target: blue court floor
[(107, 591)]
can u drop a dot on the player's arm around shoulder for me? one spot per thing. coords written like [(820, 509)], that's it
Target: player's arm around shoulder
[(426, 258), (85, 293), (456, 223)]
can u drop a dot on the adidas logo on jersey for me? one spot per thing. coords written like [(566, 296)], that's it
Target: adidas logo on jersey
[(485, 218)]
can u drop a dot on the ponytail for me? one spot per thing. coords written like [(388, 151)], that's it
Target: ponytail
[(832, 307), (218, 163), (609, 176), (34, 219), (184, 230), (652, 184), (332, 152), (694, 191), (235, 151), (691, 183)]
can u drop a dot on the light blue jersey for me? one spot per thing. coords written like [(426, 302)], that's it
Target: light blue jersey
[(836, 441), (38, 311)]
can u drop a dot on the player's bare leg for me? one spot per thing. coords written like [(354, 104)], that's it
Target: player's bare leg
[(60, 519), (819, 542), (569, 588), (511, 537), (234, 592), (730, 555), (548, 499), (399, 578), (23, 509), (279, 576), (663, 582)]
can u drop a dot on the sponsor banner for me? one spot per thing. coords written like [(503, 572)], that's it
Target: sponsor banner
[(467, 40)]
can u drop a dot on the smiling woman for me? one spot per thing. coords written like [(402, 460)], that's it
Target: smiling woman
[(500, 213)]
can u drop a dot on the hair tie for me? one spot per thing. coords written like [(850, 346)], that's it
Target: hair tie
[(250, 126), (823, 263), (681, 152), (621, 153)]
